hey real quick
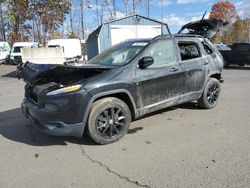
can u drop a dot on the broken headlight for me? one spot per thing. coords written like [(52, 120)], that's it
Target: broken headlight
[(65, 90)]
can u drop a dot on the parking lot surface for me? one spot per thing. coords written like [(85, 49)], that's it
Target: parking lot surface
[(183, 146)]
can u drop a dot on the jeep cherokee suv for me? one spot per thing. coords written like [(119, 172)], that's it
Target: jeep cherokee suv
[(124, 83)]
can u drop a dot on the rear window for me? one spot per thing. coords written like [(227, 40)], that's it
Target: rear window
[(189, 50), (207, 49)]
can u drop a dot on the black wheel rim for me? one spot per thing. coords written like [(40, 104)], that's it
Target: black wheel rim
[(111, 122), (213, 93)]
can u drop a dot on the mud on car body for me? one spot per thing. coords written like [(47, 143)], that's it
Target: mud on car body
[(126, 82)]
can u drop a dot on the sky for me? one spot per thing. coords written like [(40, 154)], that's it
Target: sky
[(175, 12)]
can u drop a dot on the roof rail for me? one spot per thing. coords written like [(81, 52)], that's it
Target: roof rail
[(177, 35)]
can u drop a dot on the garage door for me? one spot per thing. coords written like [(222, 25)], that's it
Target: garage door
[(120, 33)]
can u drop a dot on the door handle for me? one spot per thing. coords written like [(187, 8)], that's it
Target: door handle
[(206, 62), (173, 69)]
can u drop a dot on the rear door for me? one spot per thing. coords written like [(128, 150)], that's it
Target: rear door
[(160, 84), (193, 64)]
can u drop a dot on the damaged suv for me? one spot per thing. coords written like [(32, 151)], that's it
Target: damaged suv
[(126, 82)]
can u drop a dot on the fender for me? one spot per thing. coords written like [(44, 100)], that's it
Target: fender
[(107, 93), (206, 80), (213, 73)]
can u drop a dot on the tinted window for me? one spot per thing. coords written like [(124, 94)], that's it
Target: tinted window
[(163, 52), (188, 50), (17, 49)]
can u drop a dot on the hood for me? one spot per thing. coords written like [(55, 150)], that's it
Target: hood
[(39, 74), (205, 27)]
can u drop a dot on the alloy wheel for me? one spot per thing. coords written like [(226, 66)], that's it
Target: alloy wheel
[(213, 93), (110, 122)]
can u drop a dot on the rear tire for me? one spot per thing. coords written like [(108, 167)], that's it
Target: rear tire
[(211, 93), (109, 120)]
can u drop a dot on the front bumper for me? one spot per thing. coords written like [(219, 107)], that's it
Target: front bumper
[(44, 120)]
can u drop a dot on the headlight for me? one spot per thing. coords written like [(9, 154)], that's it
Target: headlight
[(65, 90)]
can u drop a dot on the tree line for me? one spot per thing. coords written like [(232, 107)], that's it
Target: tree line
[(238, 29), (41, 20)]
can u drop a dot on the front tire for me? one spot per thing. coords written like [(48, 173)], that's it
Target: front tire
[(211, 93), (109, 120)]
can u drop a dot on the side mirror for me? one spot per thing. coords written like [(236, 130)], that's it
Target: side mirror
[(145, 62)]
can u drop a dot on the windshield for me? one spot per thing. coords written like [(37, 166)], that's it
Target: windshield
[(119, 54), (17, 49)]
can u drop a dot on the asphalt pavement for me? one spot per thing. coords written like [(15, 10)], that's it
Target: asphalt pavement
[(183, 146)]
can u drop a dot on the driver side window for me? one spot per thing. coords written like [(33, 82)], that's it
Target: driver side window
[(163, 53)]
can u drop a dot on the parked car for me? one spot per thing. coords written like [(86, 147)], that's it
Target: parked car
[(226, 52), (4, 52), (15, 55), (240, 54), (71, 49), (124, 83)]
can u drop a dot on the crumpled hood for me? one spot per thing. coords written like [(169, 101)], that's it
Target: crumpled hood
[(34, 74)]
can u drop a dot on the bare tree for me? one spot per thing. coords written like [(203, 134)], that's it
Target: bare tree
[(147, 5), (246, 9), (135, 4), (110, 7), (126, 6), (71, 17), (2, 21), (81, 18)]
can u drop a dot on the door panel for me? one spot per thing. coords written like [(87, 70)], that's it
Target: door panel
[(160, 84), (193, 65), (195, 75)]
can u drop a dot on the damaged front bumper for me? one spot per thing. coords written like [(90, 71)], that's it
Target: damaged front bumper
[(47, 122)]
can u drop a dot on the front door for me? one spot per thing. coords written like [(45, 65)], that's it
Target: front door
[(160, 84)]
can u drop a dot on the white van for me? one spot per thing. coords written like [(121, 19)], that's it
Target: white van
[(71, 47), (4, 52), (15, 55)]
